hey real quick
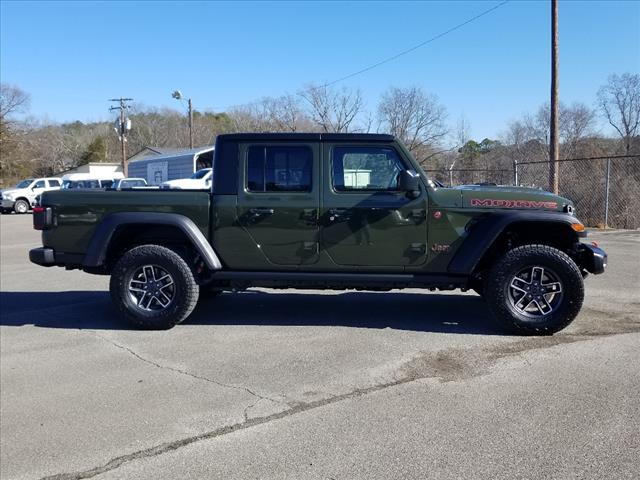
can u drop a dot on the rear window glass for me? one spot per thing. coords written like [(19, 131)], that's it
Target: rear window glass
[(279, 169)]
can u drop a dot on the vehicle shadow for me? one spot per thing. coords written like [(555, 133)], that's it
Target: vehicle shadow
[(450, 313)]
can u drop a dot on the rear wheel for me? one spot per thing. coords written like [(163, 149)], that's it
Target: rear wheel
[(153, 287), (534, 290), (21, 206)]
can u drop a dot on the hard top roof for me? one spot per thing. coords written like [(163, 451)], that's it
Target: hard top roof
[(329, 137)]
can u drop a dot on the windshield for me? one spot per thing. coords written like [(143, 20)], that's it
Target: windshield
[(201, 173), (24, 183)]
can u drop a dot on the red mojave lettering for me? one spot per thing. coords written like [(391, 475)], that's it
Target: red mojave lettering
[(487, 202)]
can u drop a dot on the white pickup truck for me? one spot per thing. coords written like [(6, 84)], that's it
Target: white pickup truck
[(201, 180), (23, 196)]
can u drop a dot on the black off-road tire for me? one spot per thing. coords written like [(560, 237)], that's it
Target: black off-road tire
[(497, 290), (185, 294), (21, 206)]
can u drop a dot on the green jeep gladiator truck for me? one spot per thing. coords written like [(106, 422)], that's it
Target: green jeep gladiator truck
[(323, 211)]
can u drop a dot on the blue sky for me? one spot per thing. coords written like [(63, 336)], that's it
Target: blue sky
[(72, 56)]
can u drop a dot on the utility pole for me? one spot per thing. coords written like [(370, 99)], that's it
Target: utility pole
[(554, 144), (190, 125), (123, 125)]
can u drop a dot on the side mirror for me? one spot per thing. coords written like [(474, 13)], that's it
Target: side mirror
[(409, 182)]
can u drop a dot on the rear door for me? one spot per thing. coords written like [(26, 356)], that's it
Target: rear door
[(365, 220), (279, 199)]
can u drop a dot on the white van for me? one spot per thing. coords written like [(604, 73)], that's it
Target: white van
[(90, 180)]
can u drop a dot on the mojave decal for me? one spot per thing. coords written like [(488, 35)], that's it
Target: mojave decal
[(500, 203)]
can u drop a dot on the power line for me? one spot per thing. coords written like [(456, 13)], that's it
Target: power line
[(415, 47), (397, 55)]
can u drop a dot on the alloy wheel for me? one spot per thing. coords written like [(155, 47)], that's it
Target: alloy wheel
[(535, 291), (152, 288)]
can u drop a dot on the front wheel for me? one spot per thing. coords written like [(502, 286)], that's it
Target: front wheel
[(21, 206), (534, 290), (153, 287)]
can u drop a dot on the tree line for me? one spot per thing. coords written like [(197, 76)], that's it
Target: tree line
[(30, 146)]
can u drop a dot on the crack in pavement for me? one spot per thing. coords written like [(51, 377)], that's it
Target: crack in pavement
[(447, 366), (183, 372)]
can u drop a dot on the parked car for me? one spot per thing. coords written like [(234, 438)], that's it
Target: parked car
[(126, 183), (201, 180), (89, 180), (22, 197)]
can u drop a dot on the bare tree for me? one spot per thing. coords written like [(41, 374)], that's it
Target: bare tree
[(285, 114), (249, 118), (576, 123), (12, 100), (619, 101), (333, 110), (413, 116)]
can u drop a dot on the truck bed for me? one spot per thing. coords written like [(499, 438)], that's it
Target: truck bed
[(81, 211)]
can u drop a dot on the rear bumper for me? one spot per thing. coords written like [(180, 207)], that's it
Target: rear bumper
[(48, 257), (593, 259), (42, 256)]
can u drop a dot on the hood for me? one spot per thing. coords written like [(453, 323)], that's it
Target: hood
[(10, 191), (508, 197)]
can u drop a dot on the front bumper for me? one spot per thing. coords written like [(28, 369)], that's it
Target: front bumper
[(6, 203), (592, 258)]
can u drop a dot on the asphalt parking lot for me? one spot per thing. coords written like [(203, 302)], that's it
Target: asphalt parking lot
[(318, 385)]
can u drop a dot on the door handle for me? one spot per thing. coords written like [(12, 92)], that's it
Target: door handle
[(337, 213), (419, 214), (259, 212), (309, 214)]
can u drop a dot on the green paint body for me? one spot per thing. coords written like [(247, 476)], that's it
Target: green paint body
[(371, 232)]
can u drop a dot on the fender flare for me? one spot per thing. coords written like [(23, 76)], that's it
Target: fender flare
[(482, 235), (103, 234)]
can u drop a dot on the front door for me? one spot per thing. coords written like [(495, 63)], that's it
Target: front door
[(279, 201), (365, 219)]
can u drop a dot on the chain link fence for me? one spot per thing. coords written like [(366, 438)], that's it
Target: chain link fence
[(605, 190)]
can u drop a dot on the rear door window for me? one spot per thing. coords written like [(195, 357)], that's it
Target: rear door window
[(279, 169)]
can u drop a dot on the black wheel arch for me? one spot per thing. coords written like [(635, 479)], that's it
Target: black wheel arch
[(491, 235), (119, 231)]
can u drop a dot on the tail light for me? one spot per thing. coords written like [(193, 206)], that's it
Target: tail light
[(42, 218)]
